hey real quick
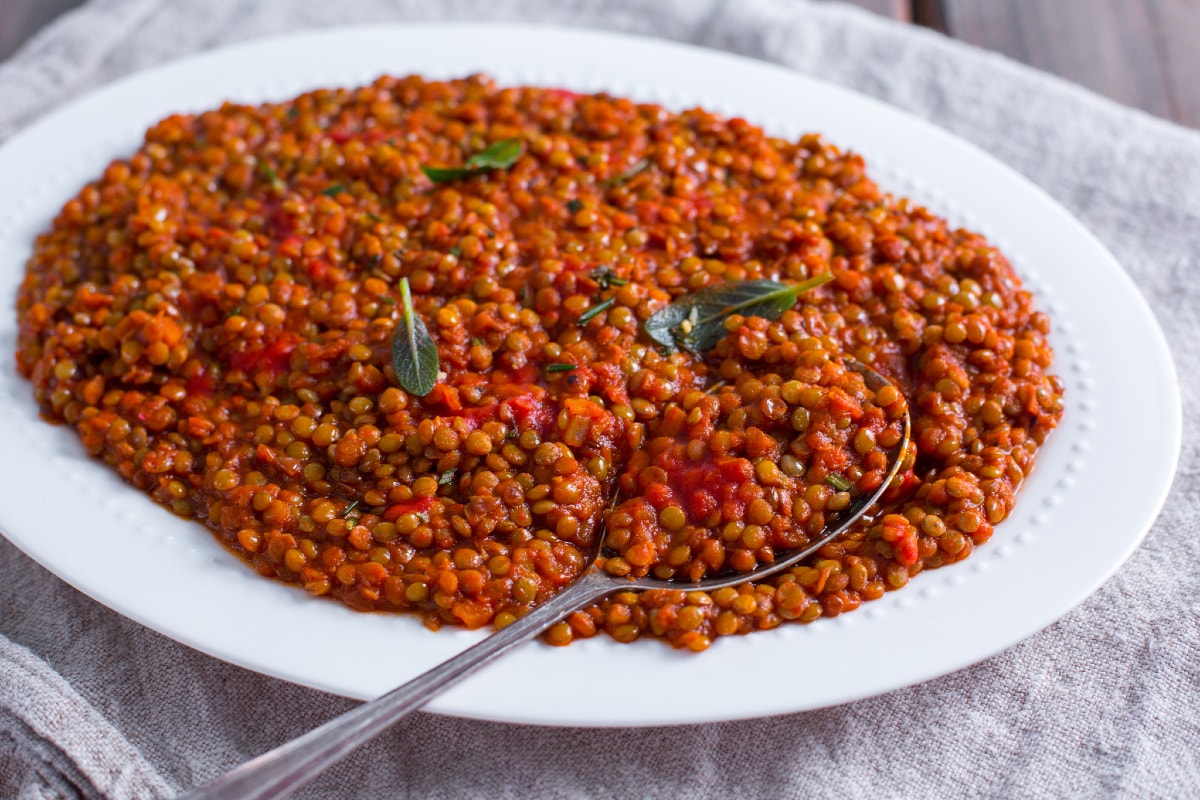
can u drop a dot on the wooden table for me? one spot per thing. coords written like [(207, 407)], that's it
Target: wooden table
[(1143, 53)]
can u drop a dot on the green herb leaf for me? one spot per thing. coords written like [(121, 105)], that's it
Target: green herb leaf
[(447, 477), (268, 172), (414, 355), (334, 190), (374, 217), (561, 367), (445, 174), (574, 205), (838, 482), (638, 167), (605, 277), (596, 310), (456, 251), (346, 511), (500, 155), (696, 321), (383, 298)]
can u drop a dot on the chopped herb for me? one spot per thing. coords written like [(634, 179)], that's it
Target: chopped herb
[(838, 482), (561, 367), (501, 155), (374, 217), (268, 172), (596, 310), (422, 516), (605, 277), (346, 511), (447, 477), (236, 310), (574, 205), (696, 321), (456, 251), (414, 355), (293, 112), (638, 167), (334, 190), (491, 234), (383, 298), (477, 342)]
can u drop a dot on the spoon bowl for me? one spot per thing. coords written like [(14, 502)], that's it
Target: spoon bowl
[(286, 768)]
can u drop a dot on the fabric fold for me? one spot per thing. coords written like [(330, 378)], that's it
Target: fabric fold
[(56, 745)]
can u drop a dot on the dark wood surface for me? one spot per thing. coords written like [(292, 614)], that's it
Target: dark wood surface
[(1144, 53)]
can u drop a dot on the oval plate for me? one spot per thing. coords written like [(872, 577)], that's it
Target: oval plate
[(77, 518)]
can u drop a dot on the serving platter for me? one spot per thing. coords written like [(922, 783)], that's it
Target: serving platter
[(114, 544)]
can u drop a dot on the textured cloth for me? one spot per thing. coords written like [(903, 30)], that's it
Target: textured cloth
[(1104, 703)]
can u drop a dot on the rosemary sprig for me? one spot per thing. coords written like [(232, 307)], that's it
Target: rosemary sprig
[(838, 482), (596, 311), (605, 277), (638, 167)]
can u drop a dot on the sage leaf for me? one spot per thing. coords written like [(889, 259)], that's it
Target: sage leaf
[(414, 355), (696, 321), (500, 155)]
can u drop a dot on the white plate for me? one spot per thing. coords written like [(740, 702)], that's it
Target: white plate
[(78, 519)]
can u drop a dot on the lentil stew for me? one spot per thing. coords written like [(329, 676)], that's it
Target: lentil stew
[(215, 316)]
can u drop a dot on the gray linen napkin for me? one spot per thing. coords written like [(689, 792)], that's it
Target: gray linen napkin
[(1104, 703)]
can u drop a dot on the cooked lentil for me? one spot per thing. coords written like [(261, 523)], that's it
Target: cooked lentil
[(214, 316)]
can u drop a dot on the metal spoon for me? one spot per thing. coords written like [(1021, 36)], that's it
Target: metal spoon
[(278, 772)]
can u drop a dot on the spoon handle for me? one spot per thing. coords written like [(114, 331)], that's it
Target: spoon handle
[(284, 769)]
